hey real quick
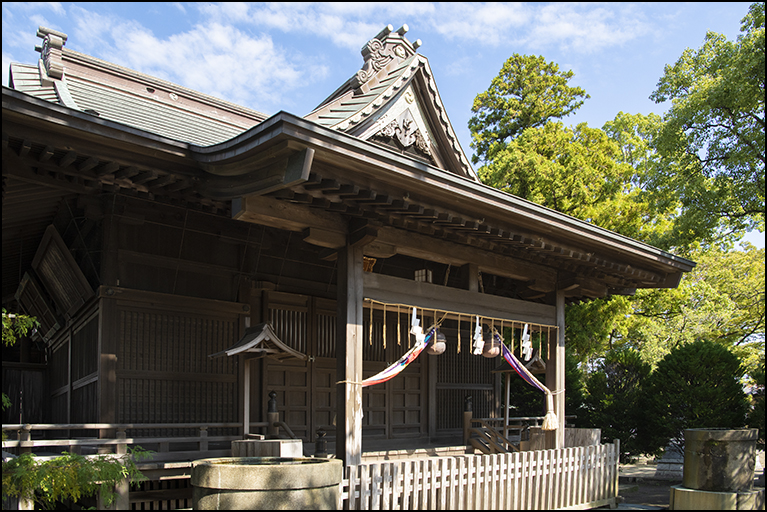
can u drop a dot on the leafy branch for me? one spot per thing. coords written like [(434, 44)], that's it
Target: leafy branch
[(70, 476)]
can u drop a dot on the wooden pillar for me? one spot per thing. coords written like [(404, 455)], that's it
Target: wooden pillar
[(349, 356), (555, 370), (469, 274), (246, 398), (109, 317)]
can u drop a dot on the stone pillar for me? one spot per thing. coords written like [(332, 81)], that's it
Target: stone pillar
[(718, 471), (719, 459)]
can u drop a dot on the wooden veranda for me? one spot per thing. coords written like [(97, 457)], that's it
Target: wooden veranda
[(447, 478)]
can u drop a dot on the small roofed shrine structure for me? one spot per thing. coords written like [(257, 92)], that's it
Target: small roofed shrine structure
[(147, 226)]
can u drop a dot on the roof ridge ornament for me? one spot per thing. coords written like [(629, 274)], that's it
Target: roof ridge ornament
[(50, 51), (386, 46)]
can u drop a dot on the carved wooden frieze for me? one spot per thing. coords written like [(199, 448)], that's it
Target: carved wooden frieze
[(406, 133)]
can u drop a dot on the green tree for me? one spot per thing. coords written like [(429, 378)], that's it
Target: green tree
[(612, 402), (636, 136), (713, 137), (597, 326), (527, 93), (721, 300), (571, 170), (697, 385)]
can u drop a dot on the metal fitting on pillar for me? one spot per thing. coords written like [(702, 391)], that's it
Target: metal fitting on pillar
[(272, 416), (321, 444)]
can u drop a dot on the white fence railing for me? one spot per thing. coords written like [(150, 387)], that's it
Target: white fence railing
[(575, 478)]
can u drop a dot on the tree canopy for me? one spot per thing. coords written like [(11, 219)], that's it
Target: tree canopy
[(712, 139), (690, 182), (527, 93), (721, 300)]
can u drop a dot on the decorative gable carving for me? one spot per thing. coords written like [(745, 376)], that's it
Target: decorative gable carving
[(372, 105), (50, 52), (404, 131)]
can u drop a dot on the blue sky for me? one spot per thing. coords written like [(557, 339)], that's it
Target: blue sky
[(273, 57)]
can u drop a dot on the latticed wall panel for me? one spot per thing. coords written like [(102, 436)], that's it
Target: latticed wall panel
[(306, 391), (164, 372), (462, 374)]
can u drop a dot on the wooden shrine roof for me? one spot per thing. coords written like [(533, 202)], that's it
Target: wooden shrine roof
[(116, 93), (395, 79), (330, 182)]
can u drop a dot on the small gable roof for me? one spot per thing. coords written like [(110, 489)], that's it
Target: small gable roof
[(262, 341), (393, 101)]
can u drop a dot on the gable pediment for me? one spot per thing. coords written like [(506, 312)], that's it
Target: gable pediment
[(393, 102), (402, 125)]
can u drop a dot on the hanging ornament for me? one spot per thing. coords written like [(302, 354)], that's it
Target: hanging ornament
[(492, 346), (459, 334), (527, 345), (384, 326), (437, 345), (478, 341)]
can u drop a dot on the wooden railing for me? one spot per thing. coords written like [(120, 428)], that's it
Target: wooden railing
[(492, 435), (580, 477), (113, 438), (488, 439)]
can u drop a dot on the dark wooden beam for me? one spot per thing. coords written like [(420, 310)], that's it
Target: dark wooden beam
[(396, 290), (442, 251), (272, 212)]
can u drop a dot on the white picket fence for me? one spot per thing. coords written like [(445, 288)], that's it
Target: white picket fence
[(574, 478)]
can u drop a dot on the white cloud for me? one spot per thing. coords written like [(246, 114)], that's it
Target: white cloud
[(345, 24), (213, 58), (586, 28), (56, 7), (490, 24)]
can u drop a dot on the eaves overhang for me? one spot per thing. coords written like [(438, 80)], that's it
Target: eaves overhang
[(386, 171), (285, 156)]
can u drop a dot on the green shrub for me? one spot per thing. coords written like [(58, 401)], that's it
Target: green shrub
[(697, 385), (612, 401)]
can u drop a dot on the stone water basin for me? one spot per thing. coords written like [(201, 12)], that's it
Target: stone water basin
[(266, 483)]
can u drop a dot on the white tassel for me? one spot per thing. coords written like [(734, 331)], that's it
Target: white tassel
[(550, 420)]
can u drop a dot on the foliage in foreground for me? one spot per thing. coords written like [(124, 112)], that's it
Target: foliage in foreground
[(69, 477)]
